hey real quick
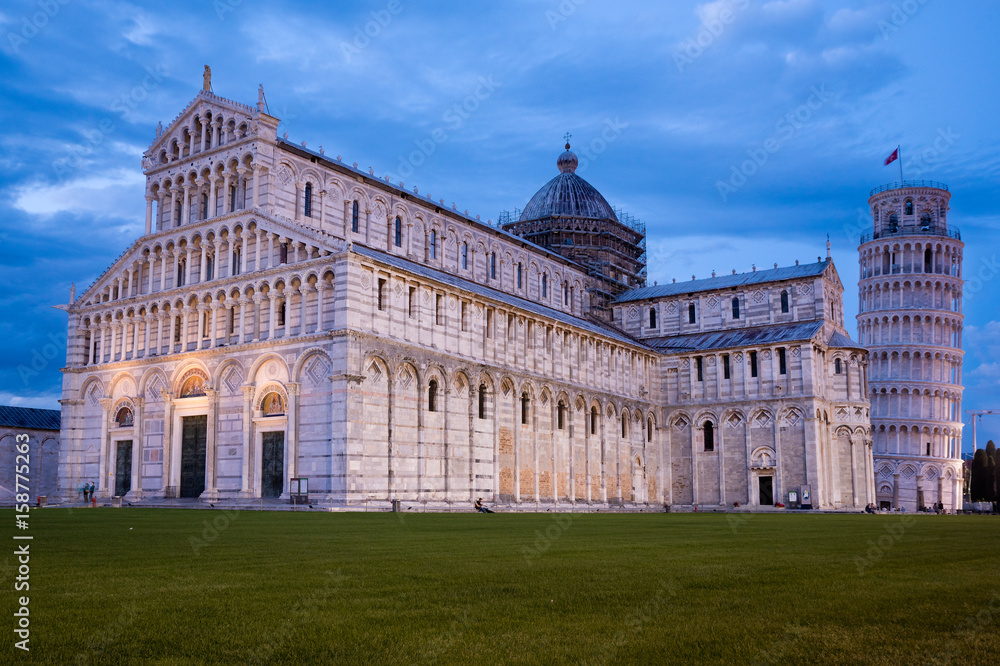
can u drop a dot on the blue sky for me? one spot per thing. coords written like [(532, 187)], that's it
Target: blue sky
[(469, 101)]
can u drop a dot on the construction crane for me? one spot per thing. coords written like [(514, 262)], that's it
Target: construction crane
[(977, 415)]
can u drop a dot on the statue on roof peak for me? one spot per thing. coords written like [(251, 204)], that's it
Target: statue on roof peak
[(207, 79)]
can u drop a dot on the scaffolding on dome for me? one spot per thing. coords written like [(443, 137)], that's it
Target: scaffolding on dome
[(613, 251)]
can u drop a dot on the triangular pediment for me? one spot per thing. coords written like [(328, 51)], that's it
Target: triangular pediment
[(173, 141), (831, 274)]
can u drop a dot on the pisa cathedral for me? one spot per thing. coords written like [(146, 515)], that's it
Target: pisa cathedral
[(287, 316)]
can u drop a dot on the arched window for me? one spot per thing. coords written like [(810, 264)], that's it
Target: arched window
[(928, 261), (736, 308), (652, 317), (837, 368), (493, 265), (565, 293), (204, 206), (272, 405), (624, 425), (465, 256), (709, 436), (398, 235), (354, 217), (432, 395), (308, 206), (545, 285), (925, 221), (433, 245), (593, 420), (908, 207), (482, 401), (893, 223), (520, 270), (525, 403), (561, 415), (784, 301), (649, 430), (691, 314), (124, 418)]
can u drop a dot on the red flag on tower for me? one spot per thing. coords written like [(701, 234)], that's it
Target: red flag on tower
[(892, 158)]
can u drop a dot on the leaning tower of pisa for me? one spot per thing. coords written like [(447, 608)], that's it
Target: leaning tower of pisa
[(910, 320)]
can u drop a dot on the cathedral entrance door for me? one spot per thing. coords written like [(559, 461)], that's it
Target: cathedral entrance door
[(766, 490), (272, 469), (123, 468), (194, 432)]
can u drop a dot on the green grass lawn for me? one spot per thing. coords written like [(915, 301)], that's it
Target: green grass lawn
[(162, 586)]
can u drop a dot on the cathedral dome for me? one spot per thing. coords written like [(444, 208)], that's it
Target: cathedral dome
[(568, 195)]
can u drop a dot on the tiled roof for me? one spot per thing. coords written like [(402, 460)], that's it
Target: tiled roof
[(725, 281), (732, 338), (26, 417), (496, 295), (841, 340)]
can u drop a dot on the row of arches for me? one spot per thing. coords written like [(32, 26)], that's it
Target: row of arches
[(534, 441), (203, 256), (938, 330), (942, 258), (916, 365), (204, 192), (917, 403), (265, 309), (925, 295), (206, 130)]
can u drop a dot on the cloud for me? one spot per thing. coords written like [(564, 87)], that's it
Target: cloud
[(93, 194)]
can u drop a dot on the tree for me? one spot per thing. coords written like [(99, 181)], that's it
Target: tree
[(977, 484)]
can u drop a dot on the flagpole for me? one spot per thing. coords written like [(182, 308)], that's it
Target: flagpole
[(900, 158)]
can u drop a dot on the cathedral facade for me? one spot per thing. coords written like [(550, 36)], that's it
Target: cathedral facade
[(289, 321)]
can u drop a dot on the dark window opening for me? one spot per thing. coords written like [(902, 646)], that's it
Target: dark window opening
[(411, 308), (561, 415), (283, 253), (725, 366), (432, 393), (465, 256), (928, 261), (398, 236), (753, 364), (837, 367), (784, 302), (433, 247), (519, 272), (908, 208), (709, 436), (381, 294), (736, 308), (482, 401), (493, 265), (782, 367), (525, 401), (354, 217), (699, 365), (593, 420), (439, 309), (308, 207), (649, 430), (691, 313), (624, 425), (652, 317)]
